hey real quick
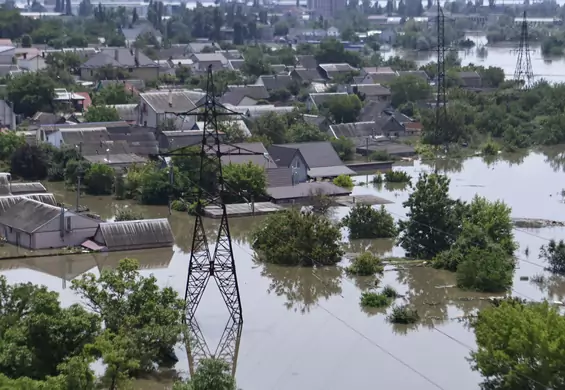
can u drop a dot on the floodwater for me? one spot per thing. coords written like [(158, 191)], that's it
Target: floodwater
[(502, 56), (304, 328)]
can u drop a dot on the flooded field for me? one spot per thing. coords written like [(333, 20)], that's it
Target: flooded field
[(304, 328)]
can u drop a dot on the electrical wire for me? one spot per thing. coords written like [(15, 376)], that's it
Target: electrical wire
[(372, 342)]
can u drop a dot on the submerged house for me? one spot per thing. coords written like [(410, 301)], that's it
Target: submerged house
[(36, 225), (131, 235), (27, 188), (9, 200)]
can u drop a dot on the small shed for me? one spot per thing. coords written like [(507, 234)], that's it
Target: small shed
[(304, 191), (132, 235)]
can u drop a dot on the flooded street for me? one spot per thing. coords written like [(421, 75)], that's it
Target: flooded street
[(304, 329)]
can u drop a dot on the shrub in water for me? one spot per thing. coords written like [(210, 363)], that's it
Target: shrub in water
[(128, 215), (390, 292), (179, 205), (364, 221), (403, 315), (344, 181), (397, 177), (365, 264), (373, 299)]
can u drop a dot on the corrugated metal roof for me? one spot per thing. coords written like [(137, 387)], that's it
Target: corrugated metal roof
[(8, 201), (136, 234), (27, 188), (29, 215)]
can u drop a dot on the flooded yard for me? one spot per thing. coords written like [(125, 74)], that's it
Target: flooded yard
[(304, 329)]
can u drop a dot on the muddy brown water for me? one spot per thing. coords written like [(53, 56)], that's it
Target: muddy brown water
[(304, 329)]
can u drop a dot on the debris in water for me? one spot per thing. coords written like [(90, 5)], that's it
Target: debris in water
[(524, 278)]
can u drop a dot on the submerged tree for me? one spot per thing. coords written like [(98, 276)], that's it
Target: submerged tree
[(554, 254), (291, 237), (364, 221), (434, 218)]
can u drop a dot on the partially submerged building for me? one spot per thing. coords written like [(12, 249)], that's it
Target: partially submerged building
[(36, 225), (6, 202), (131, 235)]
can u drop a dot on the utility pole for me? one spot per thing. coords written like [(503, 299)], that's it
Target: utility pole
[(79, 178)]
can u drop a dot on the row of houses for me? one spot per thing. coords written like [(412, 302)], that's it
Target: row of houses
[(31, 218)]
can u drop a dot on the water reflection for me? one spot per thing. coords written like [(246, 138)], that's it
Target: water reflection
[(552, 285), (445, 165), (396, 186), (403, 329), (183, 227), (378, 246), (69, 267), (302, 286), (227, 349), (555, 157), (431, 292)]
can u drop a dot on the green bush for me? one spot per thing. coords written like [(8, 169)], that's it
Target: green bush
[(365, 264), (397, 177), (128, 215), (378, 178), (179, 205), (390, 292), (374, 299), (487, 270), (363, 221), (490, 148), (403, 315), (293, 238), (99, 179), (344, 181), (381, 155)]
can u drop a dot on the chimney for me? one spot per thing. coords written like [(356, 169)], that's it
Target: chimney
[(136, 58), (116, 54)]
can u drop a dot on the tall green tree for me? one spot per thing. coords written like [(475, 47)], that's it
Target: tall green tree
[(249, 180), (37, 334), (520, 346), (433, 218), (31, 92), (141, 320)]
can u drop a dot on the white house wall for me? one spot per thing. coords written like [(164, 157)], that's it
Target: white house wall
[(299, 166), (55, 138), (49, 235), (16, 237)]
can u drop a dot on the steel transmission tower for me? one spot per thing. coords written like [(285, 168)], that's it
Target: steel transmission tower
[(441, 106), (524, 75), (227, 349), (220, 263)]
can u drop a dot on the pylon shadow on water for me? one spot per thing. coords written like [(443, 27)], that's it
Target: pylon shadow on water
[(227, 349)]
